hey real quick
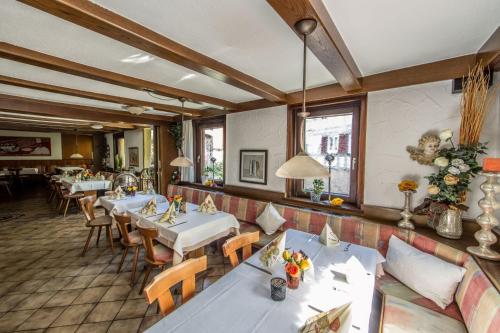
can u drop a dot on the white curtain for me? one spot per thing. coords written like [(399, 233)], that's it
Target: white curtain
[(187, 147)]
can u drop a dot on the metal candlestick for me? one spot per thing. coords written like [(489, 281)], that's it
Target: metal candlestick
[(329, 158), (487, 219), (405, 222)]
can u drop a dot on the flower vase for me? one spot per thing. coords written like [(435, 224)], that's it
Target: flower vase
[(132, 193), (315, 197), (405, 222), (177, 207), (292, 282), (450, 224)]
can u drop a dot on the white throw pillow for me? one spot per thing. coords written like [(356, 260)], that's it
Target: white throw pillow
[(426, 274), (270, 220)]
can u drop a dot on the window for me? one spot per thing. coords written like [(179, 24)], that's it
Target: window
[(332, 129), (209, 148)]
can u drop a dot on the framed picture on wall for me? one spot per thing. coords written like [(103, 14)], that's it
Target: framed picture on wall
[(253, 166), (133, 156), (24, 146)]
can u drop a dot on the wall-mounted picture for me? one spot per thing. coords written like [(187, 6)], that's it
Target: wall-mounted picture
[(133, 156), (253, 166), (24, 146)]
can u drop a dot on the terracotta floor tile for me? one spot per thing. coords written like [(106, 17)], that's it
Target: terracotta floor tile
[(29, 286), (55, 284), (42, 318), (74, 314), (10, 320), (125, 326), (105, 279), (8, 302), (149, 321), (79, 282), (35, 301), (104, 311), (90, 295), (62, 329), (134, 308), (101, 327), (63, 298), (116, 293)]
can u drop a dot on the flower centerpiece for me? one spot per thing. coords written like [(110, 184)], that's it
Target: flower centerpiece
[(176, 200), (86, 174), (407, 187), (132, 190), (296, 264), (449, 185)]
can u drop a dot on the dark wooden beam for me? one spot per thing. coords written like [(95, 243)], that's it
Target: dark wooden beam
[(34, 106), (108, 23), (325, 42), (489, 53), (436, 71), (92, 95), (39, 59)]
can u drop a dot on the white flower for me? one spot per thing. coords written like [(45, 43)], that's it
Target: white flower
[(464, 167), (441, 162), (453, 170), (457, 162), (445, 135)]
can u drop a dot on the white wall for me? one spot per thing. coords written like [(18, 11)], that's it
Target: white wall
[(55, 143), (134, 138), (397, 118), (259, 129)]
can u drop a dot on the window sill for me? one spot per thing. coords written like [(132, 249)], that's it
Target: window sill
[(345, 208)]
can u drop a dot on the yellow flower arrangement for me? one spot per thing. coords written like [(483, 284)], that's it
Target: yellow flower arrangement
[(337, 202), (407, 185)]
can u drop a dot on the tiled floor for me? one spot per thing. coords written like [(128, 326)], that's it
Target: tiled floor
[(46, 286)]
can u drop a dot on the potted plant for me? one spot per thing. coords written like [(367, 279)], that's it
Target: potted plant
[(317, 190), (449, 185)]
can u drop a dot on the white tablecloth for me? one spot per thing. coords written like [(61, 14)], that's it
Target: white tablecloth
[(191, 230), (129, 202), (28, 171), (240, 301), (86, 185), (69, 168)]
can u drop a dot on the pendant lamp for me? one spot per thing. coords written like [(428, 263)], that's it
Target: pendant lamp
[(76, 154), (181, 160), (302, 166)]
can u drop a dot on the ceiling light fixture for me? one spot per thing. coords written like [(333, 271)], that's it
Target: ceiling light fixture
[(97, 126), (76, 154), (181, 160), (136, 110), (302, 166)]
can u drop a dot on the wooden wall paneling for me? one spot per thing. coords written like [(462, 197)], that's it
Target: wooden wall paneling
[(20, 54), (85, 145), (99, 149)]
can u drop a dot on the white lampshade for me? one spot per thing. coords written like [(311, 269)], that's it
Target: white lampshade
[(76, 155), (302, 166), (182, 161)]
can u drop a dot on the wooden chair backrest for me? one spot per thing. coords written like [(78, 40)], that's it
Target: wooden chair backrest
[(244, 242), (148, 234), (87, 204), (122, 222), (159, 288), (58, 188)]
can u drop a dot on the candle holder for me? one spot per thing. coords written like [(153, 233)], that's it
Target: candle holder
[(487, 219), (278, 289), (406, 213)]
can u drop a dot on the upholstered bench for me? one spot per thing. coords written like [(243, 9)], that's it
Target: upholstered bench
[(477, 302)]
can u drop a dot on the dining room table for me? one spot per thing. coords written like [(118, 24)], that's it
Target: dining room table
[(74, 186), (240, 301), (121, 205), (190, 231)]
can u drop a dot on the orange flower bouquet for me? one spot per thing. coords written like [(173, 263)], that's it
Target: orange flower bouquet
[(296, 264), (176, 200)]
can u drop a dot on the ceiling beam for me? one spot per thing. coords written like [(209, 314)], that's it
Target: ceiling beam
[(39, 59), (436, 71), (101, 20), (325, 42), (489, 53), (97, 96), (35, 106)]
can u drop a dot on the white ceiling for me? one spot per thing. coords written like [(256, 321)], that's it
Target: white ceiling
[(384, 35), (247, 35)]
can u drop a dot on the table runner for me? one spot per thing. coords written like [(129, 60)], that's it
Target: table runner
[(240, 301), (191, 231), (129, 202)]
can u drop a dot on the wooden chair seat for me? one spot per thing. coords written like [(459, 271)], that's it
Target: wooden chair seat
[(73, 195), (162, 254), (134, 238), (100, 221)]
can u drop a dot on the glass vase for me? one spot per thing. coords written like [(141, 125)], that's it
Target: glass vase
[(292, 282), (450, 224)]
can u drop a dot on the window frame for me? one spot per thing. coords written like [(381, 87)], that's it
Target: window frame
[(198, 126), (338, 106)]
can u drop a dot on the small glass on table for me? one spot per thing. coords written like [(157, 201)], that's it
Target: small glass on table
[(278, 289)]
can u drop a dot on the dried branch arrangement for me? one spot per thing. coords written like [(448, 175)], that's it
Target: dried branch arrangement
[(475, 102)]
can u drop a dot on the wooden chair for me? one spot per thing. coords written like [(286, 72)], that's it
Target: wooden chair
[(156, 255), (87, 205), (66, 198), (6, 184), (244, 242), (128, 240), (159, 288)]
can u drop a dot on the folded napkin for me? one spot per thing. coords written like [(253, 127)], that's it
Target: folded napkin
[(98, 174), (328, 237), (169, 215), (337, 320), (150, 208), (111, 177), (119, 193), (208, 206), (272, 253)]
